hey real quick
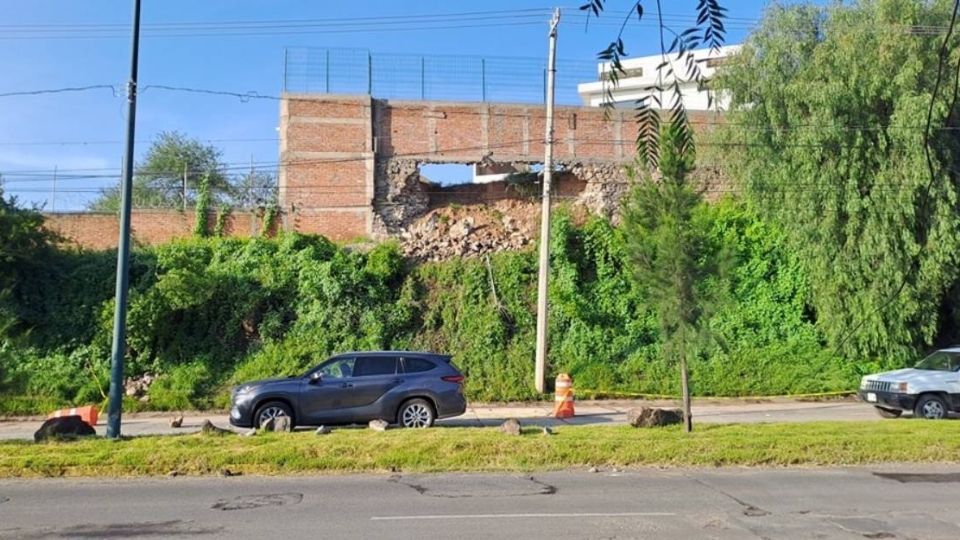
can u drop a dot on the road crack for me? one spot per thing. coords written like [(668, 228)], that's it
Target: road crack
[(249, 502), (467, 487), (749, 510)]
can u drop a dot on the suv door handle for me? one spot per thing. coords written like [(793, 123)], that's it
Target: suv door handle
[(346, 385), (397, 381)]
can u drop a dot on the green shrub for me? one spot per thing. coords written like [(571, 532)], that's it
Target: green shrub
[(187, 386), (207, 313)]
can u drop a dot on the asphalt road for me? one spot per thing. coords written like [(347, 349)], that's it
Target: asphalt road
[(598, 412), (918, 503)]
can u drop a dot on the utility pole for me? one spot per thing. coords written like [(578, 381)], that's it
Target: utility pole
[(123, 253), (53, 197), (183, 196), (543, 281)]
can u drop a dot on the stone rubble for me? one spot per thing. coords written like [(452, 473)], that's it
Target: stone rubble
[(138, 387), (378, 425), (444, 234)]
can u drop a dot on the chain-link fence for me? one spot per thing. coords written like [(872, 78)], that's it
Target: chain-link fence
[(431, 77)]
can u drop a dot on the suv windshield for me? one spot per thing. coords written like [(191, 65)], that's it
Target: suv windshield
[(940, 361)]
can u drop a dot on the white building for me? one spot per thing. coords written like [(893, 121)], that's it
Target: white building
[(642, 77)]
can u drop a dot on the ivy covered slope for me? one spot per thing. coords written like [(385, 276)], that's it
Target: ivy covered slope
[(209, 312)]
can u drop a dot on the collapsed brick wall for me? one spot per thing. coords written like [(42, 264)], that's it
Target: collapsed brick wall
[(351, 163)]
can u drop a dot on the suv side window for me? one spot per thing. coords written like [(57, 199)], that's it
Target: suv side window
[(340, 368), (954, 361), (369, 366), (417, 365)]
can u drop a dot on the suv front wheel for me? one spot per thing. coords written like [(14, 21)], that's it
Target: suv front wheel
[(271, 411), (931, 407)]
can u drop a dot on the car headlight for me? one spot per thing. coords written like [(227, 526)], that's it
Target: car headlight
[(901, 387), (242, 393), (863, 383)]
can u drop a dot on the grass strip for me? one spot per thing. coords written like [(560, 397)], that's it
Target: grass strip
[(486, 449)]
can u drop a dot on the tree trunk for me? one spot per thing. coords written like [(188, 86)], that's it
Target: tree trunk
[(685, 390)]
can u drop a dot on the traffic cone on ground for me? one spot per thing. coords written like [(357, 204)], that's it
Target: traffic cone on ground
[(563, 402), (87, 414)]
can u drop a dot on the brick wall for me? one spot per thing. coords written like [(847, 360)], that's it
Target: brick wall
[(330, 146), (148, 227)]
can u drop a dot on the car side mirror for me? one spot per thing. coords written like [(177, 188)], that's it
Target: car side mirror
[(315, 377)]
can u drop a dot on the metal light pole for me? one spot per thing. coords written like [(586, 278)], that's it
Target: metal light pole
[(123, 252), (543, 281)]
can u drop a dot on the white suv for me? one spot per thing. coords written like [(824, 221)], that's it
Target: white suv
[(931, 389)]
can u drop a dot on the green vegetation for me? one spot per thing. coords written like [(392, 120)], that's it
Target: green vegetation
[(486, 449), (209, 312), (827, 139)]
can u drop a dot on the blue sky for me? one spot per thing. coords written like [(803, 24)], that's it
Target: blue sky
[(34, 128)]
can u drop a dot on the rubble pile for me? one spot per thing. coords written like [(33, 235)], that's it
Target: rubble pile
[(445, 233)]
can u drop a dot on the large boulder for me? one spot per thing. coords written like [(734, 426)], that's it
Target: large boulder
[(208, 428), (278, 423), (63, 428), (510, 426), (654, 416)]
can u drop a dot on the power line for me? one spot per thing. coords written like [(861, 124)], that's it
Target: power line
[(339, 30), (326, 21), (244, 96), (61, 90), (261, 165), (97, 143)]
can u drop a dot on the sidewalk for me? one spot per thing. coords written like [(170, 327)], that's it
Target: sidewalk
[(537, 414)]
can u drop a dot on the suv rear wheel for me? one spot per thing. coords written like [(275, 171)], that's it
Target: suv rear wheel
[(931, 407), (416, 413), (888, 413)]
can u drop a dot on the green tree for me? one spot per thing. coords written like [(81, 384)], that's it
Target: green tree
[(256, 189), (24, 246), (666, 248), (170, 174), (826, 137)]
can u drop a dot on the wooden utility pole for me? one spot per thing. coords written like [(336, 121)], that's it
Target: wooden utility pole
[(543, 281)]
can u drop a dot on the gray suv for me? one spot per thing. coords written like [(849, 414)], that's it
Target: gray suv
[(408, 388)]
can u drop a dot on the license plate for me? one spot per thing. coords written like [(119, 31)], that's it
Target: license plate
[(871, 397)]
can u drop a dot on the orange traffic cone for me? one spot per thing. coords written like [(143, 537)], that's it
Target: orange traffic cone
[(87, 414), (563, 401)]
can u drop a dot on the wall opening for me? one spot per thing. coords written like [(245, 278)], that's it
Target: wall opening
[(446, 174)]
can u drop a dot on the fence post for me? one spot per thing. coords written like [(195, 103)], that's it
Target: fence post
[(483, 79), (326, 72), (369, 73), (286, 67), (422, 78)]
